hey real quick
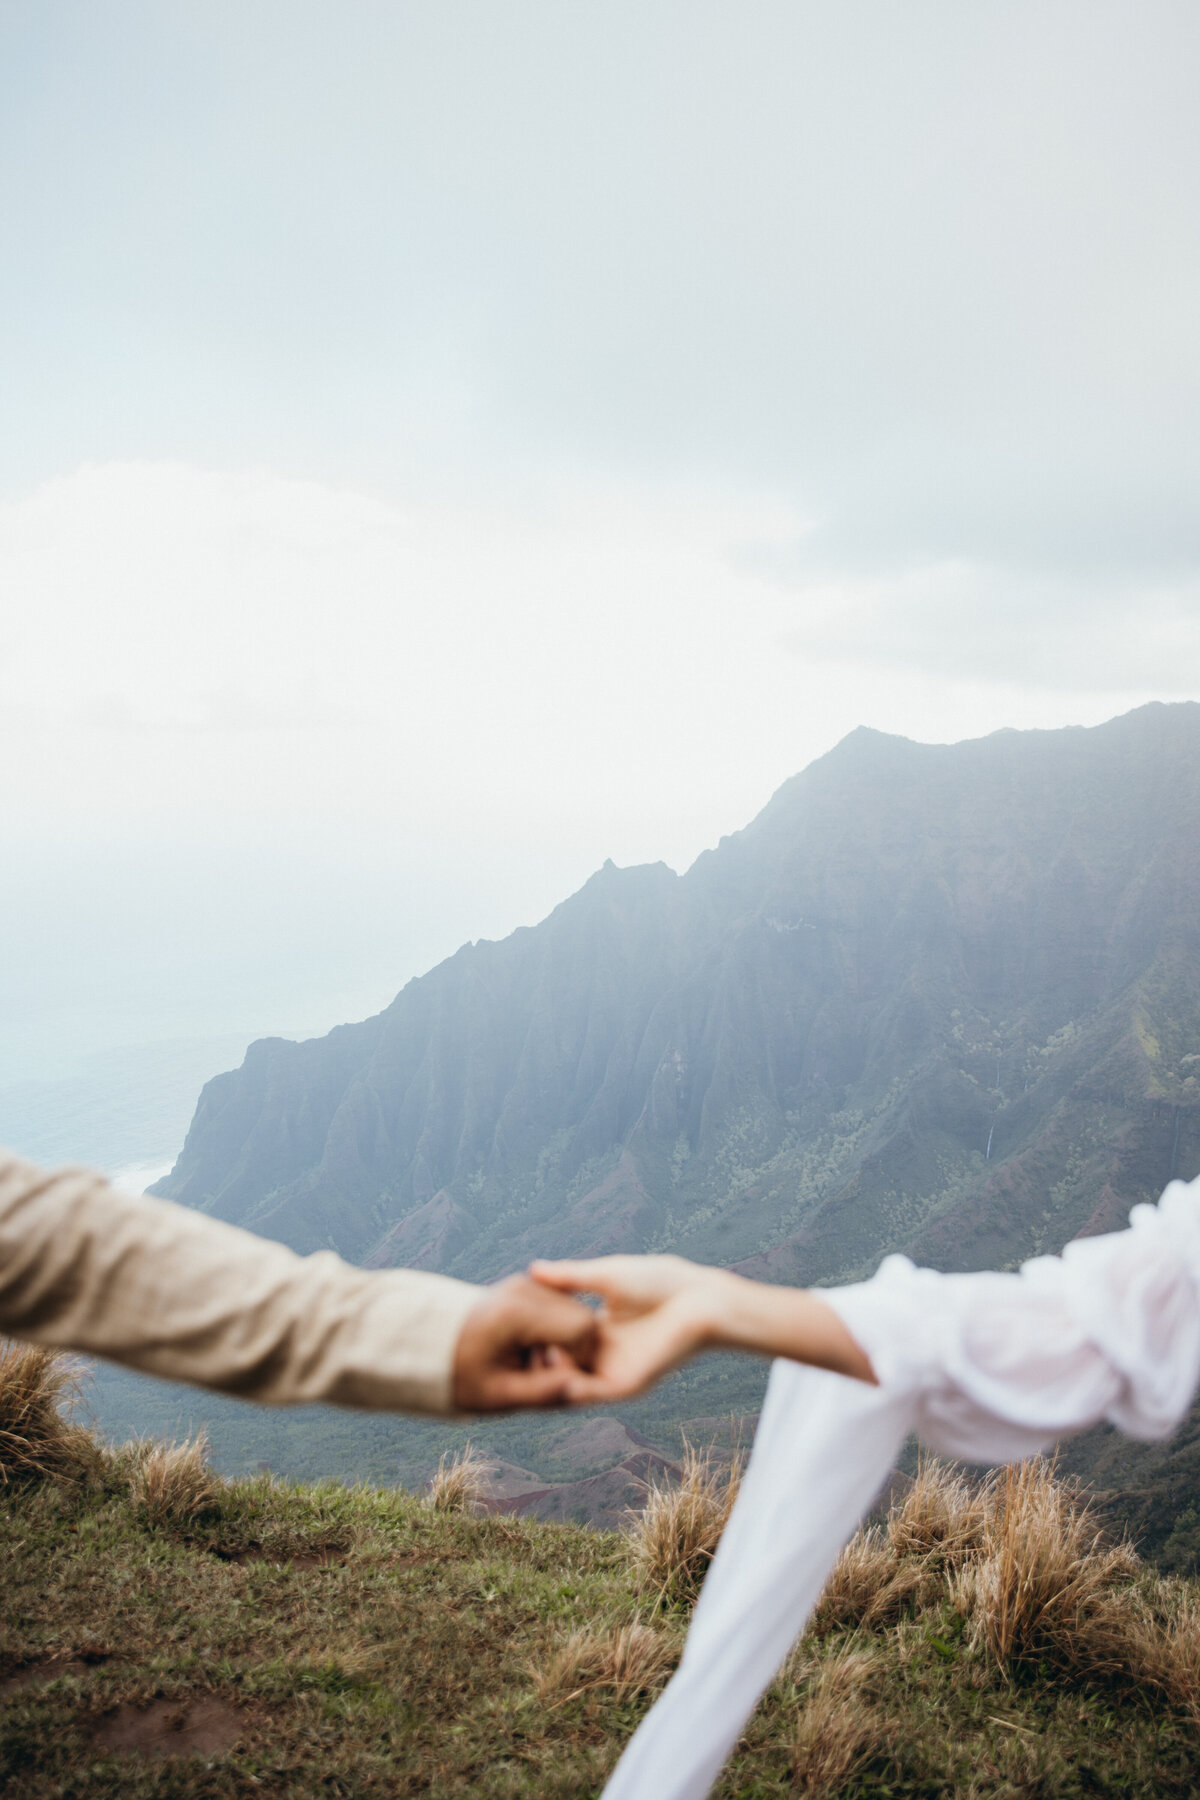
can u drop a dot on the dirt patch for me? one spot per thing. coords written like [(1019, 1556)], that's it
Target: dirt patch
[(203, 1727), (36, 1675), (316, 1559), (291, 1559)]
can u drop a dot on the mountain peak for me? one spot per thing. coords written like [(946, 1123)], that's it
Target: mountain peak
[(870, 1021)]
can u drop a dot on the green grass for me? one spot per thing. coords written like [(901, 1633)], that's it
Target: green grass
[(362, 1643)]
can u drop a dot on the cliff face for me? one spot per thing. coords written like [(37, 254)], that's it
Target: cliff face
[(938, 999)]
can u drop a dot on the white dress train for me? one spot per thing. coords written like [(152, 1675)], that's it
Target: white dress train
[(985, 1367)]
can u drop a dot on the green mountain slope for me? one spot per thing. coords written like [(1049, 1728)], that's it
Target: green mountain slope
[(937, 999)]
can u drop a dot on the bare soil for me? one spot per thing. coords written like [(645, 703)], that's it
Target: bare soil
[(194, 1727)]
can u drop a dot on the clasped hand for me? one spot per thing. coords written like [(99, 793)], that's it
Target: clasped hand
[(531, 1342)]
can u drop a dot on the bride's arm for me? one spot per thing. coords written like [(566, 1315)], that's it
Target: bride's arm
[(997, 1365), (659, 1311)]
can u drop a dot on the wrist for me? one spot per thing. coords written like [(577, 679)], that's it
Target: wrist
[(717, 1311)]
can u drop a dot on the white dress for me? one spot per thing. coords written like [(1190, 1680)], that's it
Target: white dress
[(986, 1367)]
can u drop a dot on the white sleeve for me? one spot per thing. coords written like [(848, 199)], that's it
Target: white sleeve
[(999, 1366)]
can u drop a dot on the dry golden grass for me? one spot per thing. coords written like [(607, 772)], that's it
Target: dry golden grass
[(839, 1732), (173, 1484), (1021, 1560), (675, 1536), (1046, 1586), (884, 1573), (460, 1482), (1166, 1640), (944, 1514), (872, 1586), (626, 1660), (404, 1663), (35, 1439)]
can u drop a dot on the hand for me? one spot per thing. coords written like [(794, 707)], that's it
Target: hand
[(521, 1346), (658, 1311)]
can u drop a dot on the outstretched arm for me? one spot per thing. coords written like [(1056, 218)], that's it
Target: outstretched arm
[(997, 1365), (174, 1293), (659, 1311)]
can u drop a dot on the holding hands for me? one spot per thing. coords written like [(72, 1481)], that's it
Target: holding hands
[(659, 1311), (531, 1342), (521, 1346)]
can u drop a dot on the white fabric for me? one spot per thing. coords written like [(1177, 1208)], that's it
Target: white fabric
[(984, 1367)]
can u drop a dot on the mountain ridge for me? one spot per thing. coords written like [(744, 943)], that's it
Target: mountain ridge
[(783, 1058)]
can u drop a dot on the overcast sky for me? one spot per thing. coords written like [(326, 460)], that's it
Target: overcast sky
[(444, 445)]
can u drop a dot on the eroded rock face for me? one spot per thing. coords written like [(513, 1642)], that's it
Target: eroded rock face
[(938, 999)]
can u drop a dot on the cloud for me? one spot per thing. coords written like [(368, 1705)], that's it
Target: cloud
[(1008, 626), (930, 273), (268, 746), (627, 665), (408, 660)]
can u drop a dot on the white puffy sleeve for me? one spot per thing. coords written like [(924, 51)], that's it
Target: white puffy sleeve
[(999, 1366)]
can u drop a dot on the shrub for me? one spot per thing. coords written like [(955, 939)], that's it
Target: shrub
[(36, 1441), (459, 1484), (674, 1538), (173, 1484)]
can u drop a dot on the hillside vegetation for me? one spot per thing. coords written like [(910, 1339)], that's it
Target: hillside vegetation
[(168, 1633)]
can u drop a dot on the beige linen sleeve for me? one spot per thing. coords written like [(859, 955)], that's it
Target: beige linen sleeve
[(172, 1292)]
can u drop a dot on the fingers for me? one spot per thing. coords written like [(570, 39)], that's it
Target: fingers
[(530, 1316), (556, 1314), (585, 1389), (529, 1343), (506, 1390), (596, 1276), (518, 1346)]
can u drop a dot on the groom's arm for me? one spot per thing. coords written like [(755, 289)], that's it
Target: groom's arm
[(174, 1293)]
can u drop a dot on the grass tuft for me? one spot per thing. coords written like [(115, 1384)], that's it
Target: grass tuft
[(173, 1484), (36, 1440), (460, 1483), (839, 1733), (674, 1538), (871, 1586), (1046, 1586), (627, 1660), (884, 1574), (1170, 1646), (944, 1515)]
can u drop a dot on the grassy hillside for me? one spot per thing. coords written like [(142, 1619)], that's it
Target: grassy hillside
[(164, 1632)]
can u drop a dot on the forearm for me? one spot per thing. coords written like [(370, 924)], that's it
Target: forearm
[(166, 1290), (781, 1321)]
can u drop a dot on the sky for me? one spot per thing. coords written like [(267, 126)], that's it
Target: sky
[(443, 446)]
